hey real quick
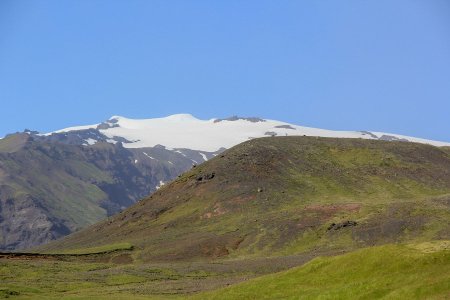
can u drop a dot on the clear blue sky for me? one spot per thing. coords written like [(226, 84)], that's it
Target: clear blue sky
[(366, 65)]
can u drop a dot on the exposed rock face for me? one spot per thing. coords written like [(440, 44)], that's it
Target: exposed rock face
[(236, 118), (337, 226), (271, 133), (205, 177), (24, 221), (72, 138), (392, 138)]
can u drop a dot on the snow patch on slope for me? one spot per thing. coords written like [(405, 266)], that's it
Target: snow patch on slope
[(161, 183), (91, 141), (148, 155), (203, 156)]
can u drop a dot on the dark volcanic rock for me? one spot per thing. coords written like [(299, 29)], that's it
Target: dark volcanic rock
[(338, 226), (205, 177), (236, 118)]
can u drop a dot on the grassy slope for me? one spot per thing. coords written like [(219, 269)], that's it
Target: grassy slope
[(58, 175), (413, 271), (390, 272), (278, 196)]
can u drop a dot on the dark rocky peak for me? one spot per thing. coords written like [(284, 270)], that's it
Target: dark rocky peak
[(111, 123), (30, 132), (236, 118), (391, 138), (370, 134), (120, 139), (76, 137)]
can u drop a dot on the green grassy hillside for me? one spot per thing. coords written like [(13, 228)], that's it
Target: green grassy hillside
[(385, 272), (287, 196)]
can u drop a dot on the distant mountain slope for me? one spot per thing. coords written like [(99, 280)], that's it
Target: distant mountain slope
[(49, 189), (186, 131), (287, 195)]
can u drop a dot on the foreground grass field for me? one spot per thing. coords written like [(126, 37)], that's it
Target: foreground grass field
[(414, 271), (419, 271), (88, 277)]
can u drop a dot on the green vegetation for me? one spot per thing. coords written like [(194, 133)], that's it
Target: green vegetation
[(432, 246), (388, 272), (49, 278), (412, 271), (99, 249), (67, 280)]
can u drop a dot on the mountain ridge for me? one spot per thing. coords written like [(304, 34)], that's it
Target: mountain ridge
[(187, 131)]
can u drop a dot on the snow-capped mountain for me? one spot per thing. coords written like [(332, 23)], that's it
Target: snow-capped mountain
[(55, 183), (187, 132)]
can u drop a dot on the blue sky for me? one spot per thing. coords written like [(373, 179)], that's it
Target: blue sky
[(377, 65)]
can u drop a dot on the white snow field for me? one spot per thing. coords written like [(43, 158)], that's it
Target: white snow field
[(186, 131)]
